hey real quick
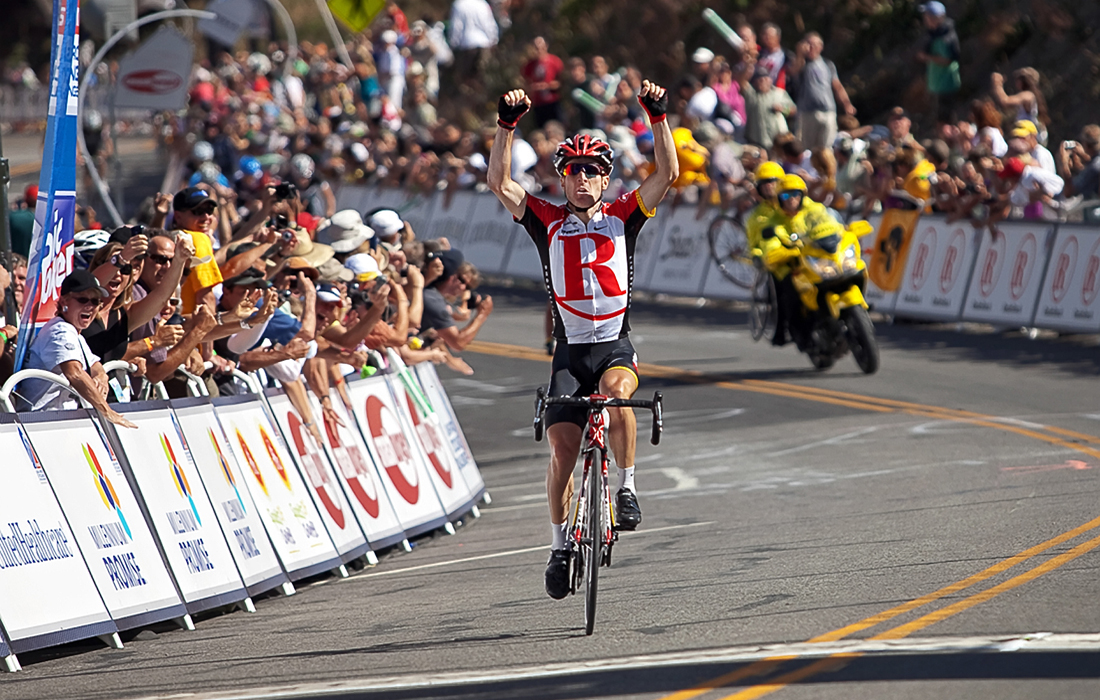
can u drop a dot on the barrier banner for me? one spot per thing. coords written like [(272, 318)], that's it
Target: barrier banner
[(105, 517), (177, 507), (318, 475), (682, 253), (1008, 276), (49, 596), (891, 248), (403, 477), (295, 526), (359, 477), (523, 258), (385, 198), (217, 466), (419, 213), (718, 285), (430, 449), (486, 233), (940, 260), (353, 197), (1067, 301), (460, 450)]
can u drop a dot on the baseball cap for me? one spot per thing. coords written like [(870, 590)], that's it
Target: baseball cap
[(386, 222), (933, 8), (248, 278), (30, 195), (702, 55), (362, 265), (760, 72), (328, 293), (191, 197), (897, 113), (451, 260), (1025, 127), (82, 281)]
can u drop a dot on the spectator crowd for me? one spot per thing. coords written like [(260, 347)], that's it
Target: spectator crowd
[(244, 263)]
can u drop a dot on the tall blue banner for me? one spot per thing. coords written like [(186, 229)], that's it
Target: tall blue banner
[(51, 258)]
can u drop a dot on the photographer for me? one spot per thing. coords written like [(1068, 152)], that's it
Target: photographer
[(1079, 164), (437, 312)]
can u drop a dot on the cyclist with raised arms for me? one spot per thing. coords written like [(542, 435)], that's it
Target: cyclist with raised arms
[(587, 252)]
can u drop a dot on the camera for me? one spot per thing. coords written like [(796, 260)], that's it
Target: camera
[(1070, 145), (474, 301), (285, 190), (279, 222)]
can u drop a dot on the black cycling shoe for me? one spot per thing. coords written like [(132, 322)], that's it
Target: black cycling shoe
[(627, 513), (557, 574)]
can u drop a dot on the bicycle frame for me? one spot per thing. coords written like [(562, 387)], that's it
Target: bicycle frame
[(595, 447)]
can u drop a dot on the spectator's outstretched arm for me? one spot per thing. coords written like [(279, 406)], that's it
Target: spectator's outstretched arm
[(511, 106), (459, 339), (654, 100), (85, 385), (141, 312), (195, 329)]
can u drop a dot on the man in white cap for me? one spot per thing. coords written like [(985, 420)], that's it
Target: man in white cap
[(346, 232), (391, 69), (387, 225), (701, 62)]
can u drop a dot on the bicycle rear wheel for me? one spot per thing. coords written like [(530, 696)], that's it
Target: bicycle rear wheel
[(592, 541), (729, 248)]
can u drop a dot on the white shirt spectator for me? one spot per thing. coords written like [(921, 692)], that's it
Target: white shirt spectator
[(1050, 183), (473, 25), (703, 103), (56, 343), (1044, 158)]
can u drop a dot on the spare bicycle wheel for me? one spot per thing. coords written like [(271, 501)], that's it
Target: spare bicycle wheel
[(764, 312), (729, 248)]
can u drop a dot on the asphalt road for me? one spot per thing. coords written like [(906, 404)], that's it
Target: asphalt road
[(930, 531)]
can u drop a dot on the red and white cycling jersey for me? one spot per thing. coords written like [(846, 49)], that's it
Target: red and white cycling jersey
[(588, 269)]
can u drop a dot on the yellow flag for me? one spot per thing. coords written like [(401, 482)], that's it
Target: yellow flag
[(357, 14), (892, 248)]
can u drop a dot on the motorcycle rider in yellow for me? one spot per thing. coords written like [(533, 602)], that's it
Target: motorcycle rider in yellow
[(796, 214), (767, 176)]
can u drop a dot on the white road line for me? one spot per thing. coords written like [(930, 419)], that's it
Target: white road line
[(831, 441), (505, 509), (1036, 642), (682, 478), (525, 550)]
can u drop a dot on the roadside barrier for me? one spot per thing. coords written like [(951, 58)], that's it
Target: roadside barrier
[(209, 502), (1016, 274)]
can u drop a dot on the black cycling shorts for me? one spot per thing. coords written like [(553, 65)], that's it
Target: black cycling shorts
[(577, 369)]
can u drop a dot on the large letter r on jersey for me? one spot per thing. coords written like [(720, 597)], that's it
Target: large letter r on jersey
[(575, 266)]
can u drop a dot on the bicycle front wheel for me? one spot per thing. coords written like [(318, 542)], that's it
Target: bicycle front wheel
[(592, 542), (729, 248)]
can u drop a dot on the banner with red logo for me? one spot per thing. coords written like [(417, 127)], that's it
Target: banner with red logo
[(296, 529), (217, 466), (1008, 273), (320, 479), (105, 517), (682, 253), (460, 449), (51, 254), (941, 256), (359, 477), (404, 476), (1069, 297), (163, 475), (39, 557), (157, 74)]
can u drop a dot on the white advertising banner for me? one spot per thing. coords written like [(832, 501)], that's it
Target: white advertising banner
[(682, 255), (383, 198), (179, 508), (295, 526), (403, 476), (105, 518), (1006, 281), (359, 477), (214, 459), (523, 258), (419, 213), (1068, 301), (329, 498), (940, 259), (460, 449), (432, 451), (486, 232), (156, 75), (353, 197), (49, 596)]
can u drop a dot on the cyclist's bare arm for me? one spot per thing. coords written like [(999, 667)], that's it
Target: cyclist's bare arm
[(510, 193), (654, 187)]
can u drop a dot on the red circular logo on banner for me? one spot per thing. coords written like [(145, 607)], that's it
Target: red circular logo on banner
[(354, 468), (1063, 267), (922, 259), (393, 450), (315, 469), (1091, 284), (429, 438), (952, 261), (153, 81), (1022, 267), (992, 263)]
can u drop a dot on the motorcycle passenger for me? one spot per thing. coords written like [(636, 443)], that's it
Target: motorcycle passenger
[(797, 214), (767, 176)]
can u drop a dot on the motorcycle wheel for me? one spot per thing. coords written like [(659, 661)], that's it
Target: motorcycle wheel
[(861, 339), (764, 311)]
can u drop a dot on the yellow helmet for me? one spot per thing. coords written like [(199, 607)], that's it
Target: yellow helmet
[(792, 182), (769, 170)]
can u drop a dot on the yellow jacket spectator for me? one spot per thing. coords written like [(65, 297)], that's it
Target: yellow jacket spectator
[(693, 159)]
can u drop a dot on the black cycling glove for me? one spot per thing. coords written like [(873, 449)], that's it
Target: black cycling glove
[(509, 115), (655, 108)]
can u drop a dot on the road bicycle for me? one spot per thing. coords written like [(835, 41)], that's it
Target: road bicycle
[(592, 531)]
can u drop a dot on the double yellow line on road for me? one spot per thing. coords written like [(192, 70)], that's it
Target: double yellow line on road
[(1069, 439)]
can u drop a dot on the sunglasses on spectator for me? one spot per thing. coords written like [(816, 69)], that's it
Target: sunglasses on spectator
[(174, 301), (205, 209), (159, 259), (787, 196), (88, 301), (589, 169)]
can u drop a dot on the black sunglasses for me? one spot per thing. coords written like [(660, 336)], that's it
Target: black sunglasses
[(589, 169), (204, 209), (86, 301), (159, 259)]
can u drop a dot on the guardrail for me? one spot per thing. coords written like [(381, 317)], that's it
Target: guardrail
[(209, 502), (1017, 274)]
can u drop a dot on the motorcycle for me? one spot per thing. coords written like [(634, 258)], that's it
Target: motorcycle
[(829, 275)]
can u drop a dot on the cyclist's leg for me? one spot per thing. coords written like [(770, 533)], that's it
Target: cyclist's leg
[(565, 429), (621, 383)]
